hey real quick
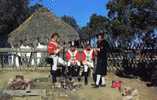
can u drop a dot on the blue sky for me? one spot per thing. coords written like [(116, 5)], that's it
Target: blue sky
[(81, 10)]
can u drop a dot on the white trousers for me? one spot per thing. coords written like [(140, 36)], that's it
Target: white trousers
[(87, 66), (98, 78), (56, 60)]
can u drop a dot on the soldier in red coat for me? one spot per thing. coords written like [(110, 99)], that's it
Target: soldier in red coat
[(73, 58), (53, 51), (88, 61)]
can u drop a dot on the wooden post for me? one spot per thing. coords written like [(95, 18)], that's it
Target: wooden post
[(1, 59)]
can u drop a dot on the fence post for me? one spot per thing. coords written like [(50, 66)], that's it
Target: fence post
[(1, 59)]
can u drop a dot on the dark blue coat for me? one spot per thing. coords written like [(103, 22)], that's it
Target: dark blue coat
[(101, 67)]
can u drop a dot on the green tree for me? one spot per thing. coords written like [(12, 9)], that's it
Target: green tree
[(13, 13), (35, 7), (129, 17), (85, 32), (98, 23)]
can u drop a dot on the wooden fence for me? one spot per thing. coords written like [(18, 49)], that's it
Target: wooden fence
[(116, 58)]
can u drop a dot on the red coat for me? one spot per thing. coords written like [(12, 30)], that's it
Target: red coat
[(72, 55), (52, 47), (88, 53)]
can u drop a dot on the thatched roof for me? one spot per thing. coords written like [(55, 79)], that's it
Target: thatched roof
[(40, 25)]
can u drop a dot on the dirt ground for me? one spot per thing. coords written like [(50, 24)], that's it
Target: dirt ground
[(86, 92)]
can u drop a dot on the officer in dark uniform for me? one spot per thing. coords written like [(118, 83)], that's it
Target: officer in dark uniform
[(101, 67)]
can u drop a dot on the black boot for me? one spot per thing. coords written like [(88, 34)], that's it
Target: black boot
[(96, 86), (85, 78), (53, 75)]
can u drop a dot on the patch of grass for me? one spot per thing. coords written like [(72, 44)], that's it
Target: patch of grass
[(41, 81)]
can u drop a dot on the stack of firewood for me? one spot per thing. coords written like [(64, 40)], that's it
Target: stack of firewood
[(19, 83)]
